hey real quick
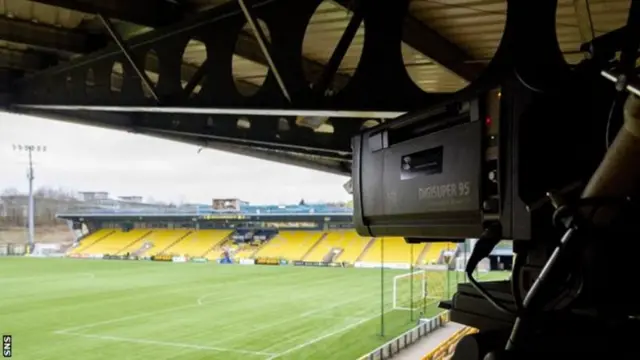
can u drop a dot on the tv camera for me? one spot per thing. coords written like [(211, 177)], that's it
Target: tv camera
[(513, 163)]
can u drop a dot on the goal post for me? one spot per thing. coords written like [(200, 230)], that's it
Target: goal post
[(425, 286), (409, 290)]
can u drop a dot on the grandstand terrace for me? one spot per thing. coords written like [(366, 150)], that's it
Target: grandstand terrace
[(233, 231)]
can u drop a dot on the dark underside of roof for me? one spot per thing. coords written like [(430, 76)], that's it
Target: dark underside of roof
[(247, 66)]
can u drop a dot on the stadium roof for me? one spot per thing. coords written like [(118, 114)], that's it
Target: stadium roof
[(317, 210), (64, 52)]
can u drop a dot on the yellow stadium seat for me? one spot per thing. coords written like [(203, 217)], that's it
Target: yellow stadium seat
[(91, 240), (162, 240), (347, 244), (290, 245), (245, 251), (396, 250), (116, 242), (434, 250), (199, 243), (447, 347)]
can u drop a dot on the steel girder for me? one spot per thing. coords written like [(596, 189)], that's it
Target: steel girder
[(380, 82), (529, 44), (145, 12), (49, 38)]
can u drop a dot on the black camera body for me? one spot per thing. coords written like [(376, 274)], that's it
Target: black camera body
[(431, 177), (487, 160)]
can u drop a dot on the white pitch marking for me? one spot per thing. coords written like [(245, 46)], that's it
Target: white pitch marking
[(309, 313), (91, 275), (130, 317), (337, 317), (58, 277), (198, 303), (206, 296), (296, 317), (139, 315), (164, 343), (320, 338), (143, 314), (201, 301)]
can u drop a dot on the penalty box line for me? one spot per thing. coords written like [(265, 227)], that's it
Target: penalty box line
[(326, 336), (195, 346), (199, 303), (311, 313), (138, 314)]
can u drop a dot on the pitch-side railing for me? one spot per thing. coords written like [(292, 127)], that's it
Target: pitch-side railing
[(391, 348)]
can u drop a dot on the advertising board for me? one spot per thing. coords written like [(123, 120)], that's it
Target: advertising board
[(162, 258), (368, 265), (317, 264), (267, 261)]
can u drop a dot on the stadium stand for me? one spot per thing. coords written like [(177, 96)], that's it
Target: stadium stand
[(199, 243), (290, 245), (446, 349), (91, 239), (338, 246), (332, 246), (243, 231), (434, 250), (162, 240), (116, 242), (355, 245), (246, 251), (135, 243), (396, 250)]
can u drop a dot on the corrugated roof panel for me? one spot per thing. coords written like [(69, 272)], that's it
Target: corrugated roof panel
[(428, 75), (577, 22), (249, 71), (324, 32), (13, 46), (195, 53), (41, 13), (475, 26)]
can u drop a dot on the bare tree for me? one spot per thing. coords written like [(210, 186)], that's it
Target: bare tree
[(10, 192), (49, 201)]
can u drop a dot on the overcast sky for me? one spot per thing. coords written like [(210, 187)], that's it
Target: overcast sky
[(85, 158)]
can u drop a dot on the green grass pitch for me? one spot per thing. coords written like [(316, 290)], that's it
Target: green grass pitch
[(126, 310)]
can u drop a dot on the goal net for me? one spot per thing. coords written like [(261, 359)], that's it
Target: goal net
[(421, 288), (409, 290)]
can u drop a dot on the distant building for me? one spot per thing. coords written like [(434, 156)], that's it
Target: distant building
[(94, 195), (135, 199), (14, 209), (3, 208)]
